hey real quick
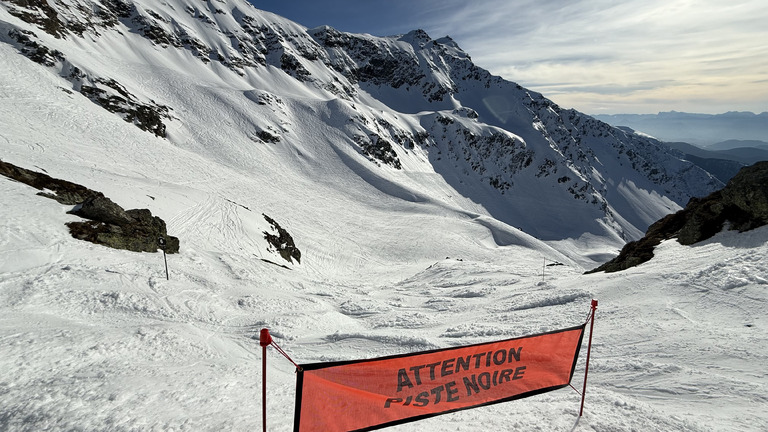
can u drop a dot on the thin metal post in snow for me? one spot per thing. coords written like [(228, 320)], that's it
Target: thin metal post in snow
[(589, 350)]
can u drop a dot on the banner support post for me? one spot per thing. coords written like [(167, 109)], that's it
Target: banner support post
[(264, 340), (589, 350)]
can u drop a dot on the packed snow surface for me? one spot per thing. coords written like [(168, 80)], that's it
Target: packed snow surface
[(393, 261)]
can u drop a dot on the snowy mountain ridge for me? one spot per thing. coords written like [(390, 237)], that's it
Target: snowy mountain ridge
[(408, 102)]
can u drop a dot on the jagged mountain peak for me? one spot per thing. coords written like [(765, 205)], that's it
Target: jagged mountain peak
[(417, 38), (394, 107)]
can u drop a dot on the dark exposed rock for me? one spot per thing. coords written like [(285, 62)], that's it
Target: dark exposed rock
[(378, 148), (267, 137), (64, 192), (282, 242), (741, 205), (109, 224), (293, 67), (748, 191), (33, 49), (134, 230), (100, 208), (118, 8), (115, 98), (40, 13)]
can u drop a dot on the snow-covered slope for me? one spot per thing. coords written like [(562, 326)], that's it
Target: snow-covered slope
[(395, 201)]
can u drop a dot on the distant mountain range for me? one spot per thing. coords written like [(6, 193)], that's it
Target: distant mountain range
[(733, 144), (721, 144), (711, 131)]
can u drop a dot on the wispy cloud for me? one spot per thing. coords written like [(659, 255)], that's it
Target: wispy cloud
[(631, 56)]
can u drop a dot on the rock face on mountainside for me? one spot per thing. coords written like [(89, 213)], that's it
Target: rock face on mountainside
[(108, 224), (741, 205)]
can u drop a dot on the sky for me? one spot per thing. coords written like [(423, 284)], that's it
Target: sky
[(598, 56)]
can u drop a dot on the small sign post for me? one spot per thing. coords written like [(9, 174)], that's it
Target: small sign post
[(161, 242)]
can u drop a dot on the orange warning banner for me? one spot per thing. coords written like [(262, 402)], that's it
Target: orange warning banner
[(364, 395)]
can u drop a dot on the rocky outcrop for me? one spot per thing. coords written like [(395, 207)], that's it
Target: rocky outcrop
[(282, 243), (741, 205), (108, 224), (64, 192), (113, 97)]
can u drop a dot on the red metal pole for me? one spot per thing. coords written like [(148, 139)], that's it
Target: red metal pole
[(264, 340), (589, 350)]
